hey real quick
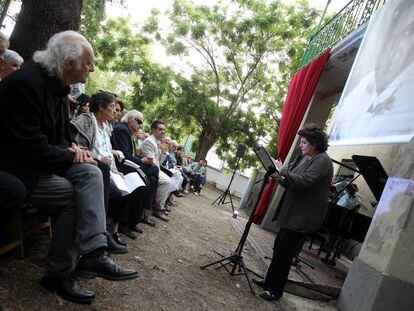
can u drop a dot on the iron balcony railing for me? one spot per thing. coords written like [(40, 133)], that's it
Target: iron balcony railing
[(352, 16)]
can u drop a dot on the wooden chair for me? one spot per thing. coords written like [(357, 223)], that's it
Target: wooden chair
[(16, 234)]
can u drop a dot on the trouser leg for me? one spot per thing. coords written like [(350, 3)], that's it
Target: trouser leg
[(152, 173), (134, 202), (284, 249), (55, 195), (12, 195), (196, 182), (106, 178), (163, 187), (116, 212), (186, 179), (89, 199)]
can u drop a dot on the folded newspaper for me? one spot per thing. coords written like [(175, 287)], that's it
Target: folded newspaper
[(127, 183)]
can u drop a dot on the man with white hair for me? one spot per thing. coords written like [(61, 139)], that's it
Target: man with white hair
[(10, 62), (60, 177), (123, 135)]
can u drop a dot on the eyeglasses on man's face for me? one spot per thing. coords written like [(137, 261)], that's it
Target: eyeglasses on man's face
[(139, 121)]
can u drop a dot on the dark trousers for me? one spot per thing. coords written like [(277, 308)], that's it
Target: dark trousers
[(76, 201), (186, 179), (196, 182), (129, 208), (106, 177), (116, 212), (152, 173), (12, 195), (286, 244), (135, 203)]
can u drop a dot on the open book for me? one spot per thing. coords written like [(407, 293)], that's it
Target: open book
[(127, 183)]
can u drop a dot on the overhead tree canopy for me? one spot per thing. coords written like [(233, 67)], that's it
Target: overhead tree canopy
[(248, 51)]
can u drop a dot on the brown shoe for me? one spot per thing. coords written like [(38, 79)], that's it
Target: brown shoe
[(161, 216)]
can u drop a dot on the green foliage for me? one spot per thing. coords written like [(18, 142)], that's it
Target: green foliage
[(234, 95), (249, 51), (93, 14)]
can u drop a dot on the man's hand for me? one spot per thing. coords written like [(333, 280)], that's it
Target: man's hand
[(148, 161), (106, 160), (79, 154)]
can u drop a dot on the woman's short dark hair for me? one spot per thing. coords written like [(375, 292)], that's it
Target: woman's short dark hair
[(121, 104), (315, 136), (101, 99)]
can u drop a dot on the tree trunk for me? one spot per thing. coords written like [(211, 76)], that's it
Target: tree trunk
[(38, 20), (206, 140)]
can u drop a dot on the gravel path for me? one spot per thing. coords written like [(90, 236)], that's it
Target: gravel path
[(168, 259)]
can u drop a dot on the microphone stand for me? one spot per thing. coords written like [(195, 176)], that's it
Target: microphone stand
[(236, 257)]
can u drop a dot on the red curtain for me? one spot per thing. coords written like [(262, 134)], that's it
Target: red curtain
[(301, 88)]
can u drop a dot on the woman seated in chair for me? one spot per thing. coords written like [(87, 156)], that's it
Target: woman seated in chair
[(91, 132)]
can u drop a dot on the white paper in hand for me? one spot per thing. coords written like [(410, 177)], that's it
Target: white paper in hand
[(119, 182), (133, 181), (128, 183)]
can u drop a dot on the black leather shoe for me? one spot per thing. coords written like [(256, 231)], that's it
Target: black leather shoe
[(69, 288), (125, 230), (259, 283), (117, 238), (114, 247), (178, 194), (149, 222), (105, 267), (136, 229), (269, 296)]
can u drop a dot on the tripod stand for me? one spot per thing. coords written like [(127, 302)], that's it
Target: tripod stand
[(236, 257), (222, 198)]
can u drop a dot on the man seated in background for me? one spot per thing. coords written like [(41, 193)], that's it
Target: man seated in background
[(9, 63), (123, 140), (152, 147), (60, 177), (183, 167), (197, 175)]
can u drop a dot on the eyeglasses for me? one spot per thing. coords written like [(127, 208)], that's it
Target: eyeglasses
[(139, 121)]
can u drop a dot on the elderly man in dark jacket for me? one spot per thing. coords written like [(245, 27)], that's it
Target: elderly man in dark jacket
[(124, 141), (60, 177)]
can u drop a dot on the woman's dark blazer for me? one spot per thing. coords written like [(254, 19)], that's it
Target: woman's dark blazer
[(305, 201)]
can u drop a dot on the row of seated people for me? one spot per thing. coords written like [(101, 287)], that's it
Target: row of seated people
[(72, 169), (193, 173)]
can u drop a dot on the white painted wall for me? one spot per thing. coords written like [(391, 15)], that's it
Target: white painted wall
[(221, 179)]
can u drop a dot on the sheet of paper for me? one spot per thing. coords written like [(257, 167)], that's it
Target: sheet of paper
[(133, 181), (119, 182)]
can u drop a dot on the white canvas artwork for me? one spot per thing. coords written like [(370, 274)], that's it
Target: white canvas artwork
[(377, 104)]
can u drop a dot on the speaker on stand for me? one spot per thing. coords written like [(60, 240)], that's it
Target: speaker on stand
[(241, 149)]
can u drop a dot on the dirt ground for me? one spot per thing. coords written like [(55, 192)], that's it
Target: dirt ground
[(168, 259)]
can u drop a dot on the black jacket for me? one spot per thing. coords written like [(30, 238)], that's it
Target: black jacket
[(123, 141), (34, 124)]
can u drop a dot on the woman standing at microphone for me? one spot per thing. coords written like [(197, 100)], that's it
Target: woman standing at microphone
[(302, 208)]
